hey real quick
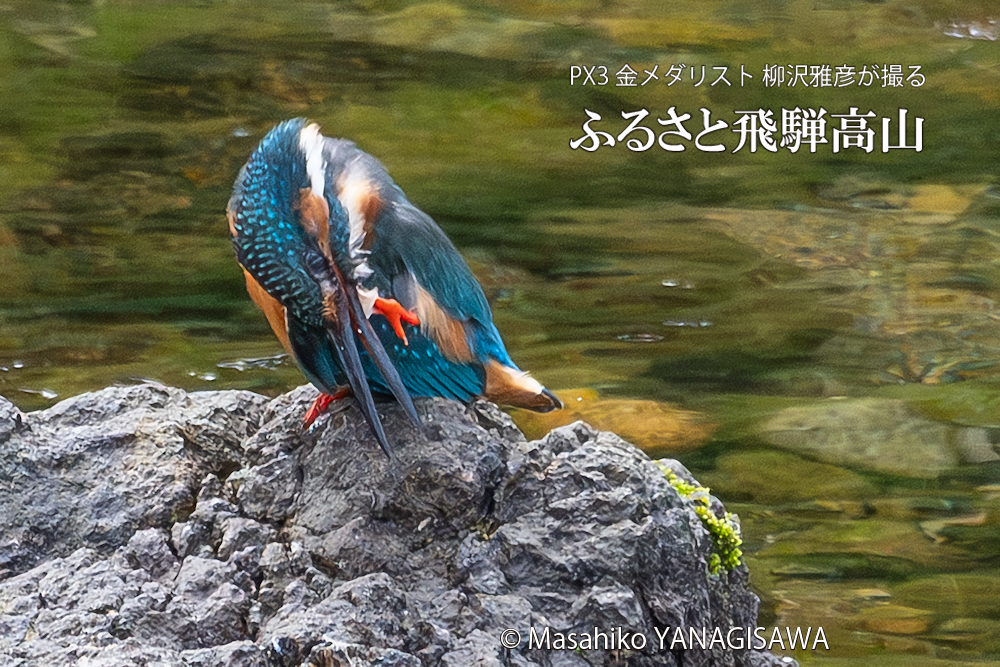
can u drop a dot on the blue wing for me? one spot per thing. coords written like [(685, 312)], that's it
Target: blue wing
[(457, 351)]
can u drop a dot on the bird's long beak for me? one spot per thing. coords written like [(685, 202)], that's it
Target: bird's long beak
[(342, 336), (377, 352), (337, 296)]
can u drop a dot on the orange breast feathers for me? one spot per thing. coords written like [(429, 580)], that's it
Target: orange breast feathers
[(314, 216), (272, 309)]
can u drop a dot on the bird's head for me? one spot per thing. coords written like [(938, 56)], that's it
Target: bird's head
[(286, 167)]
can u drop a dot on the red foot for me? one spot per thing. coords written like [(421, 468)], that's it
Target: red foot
[(321, 403), (394, 313)]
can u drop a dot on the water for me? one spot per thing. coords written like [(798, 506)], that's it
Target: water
[(738, 286)]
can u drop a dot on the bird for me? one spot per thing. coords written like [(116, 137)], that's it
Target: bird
[(307, 206), (290, 236)]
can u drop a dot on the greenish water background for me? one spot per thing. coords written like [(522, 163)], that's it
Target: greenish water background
[(738, 285)]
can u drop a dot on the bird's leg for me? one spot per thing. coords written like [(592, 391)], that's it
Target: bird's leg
[(394, 313), (321, 403)]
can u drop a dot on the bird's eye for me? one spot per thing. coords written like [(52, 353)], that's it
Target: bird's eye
[(316, 264)]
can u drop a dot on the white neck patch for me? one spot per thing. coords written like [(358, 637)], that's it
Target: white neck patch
[(355, 189), (311, 144)]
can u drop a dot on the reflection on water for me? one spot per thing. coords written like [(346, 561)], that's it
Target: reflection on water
[(761, 292), (986, 29), (263, 363)]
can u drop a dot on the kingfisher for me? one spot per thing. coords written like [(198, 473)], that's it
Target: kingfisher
[(361, 287)]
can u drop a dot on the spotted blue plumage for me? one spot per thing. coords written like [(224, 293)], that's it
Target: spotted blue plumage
[(266, 244)]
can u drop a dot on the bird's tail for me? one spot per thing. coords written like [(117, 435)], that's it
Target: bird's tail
[(510, 386)]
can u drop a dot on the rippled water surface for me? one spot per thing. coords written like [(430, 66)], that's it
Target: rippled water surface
[(826, 322)]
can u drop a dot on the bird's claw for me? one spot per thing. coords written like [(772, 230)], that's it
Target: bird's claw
[(320, 404), (394, 312)]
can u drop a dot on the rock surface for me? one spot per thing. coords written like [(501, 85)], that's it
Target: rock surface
[(148, 526)]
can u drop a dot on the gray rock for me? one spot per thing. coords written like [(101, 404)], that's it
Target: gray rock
[(93, 469), (149, 550), (127, 547)]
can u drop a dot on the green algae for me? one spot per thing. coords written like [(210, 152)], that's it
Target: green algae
[(724, 530)]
